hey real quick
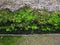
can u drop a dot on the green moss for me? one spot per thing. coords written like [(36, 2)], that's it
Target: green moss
[(55, 20), (27, 18), (34, 27), (10, 40)]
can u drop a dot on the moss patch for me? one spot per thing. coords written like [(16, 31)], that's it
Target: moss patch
[(27, 18), (9, 40)]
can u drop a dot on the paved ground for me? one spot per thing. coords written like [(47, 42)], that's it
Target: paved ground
[(42, 39)]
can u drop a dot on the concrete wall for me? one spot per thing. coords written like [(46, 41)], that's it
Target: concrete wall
[(50, 5)]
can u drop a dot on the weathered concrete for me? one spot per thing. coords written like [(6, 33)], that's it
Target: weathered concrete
[(35, 39), (42, 39), (51, 5)]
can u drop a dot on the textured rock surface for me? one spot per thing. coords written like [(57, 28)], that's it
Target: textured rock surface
[(51, 5)]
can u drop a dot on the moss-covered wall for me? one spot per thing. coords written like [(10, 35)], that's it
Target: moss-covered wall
[(28, 19)]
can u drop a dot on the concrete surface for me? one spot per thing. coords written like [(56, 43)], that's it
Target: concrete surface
[(50, 5), (42, 39)]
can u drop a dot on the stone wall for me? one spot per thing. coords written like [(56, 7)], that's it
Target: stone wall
[(50, 5)]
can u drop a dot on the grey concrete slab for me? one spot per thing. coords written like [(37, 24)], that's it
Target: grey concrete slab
[(42, 39)]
